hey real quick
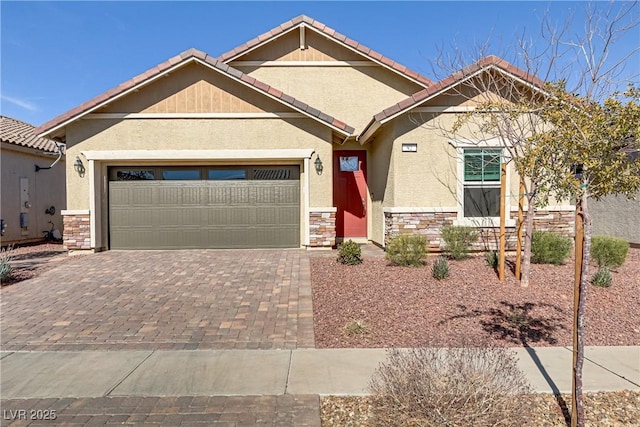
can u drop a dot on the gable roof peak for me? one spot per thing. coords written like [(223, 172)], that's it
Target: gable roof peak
[(331, 34), (164, 68), (445, 84)]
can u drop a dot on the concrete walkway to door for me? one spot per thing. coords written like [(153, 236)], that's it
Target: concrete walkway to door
[(163, 300)]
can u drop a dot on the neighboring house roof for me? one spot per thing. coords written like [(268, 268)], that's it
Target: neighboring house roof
[(17, 132), (418, 98), (322, 29), (58, 123)]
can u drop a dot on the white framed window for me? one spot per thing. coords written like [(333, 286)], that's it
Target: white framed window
[(481, 187), (479, 183)]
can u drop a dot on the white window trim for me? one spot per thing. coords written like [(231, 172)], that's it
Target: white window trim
[(478, 221)]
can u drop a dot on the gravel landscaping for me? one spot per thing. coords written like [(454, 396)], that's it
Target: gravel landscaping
[(602, 409), (375, 304), (378, 305)]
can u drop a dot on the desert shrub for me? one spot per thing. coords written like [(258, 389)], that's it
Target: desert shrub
[(458, 240), (349, 253), (357, 327), (602, 278), (407, 249), (549, 248), (440, 269), (491, 259), (609, 251), (448, 387), (5, 263)]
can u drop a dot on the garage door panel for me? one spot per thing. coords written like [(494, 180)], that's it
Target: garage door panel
[(204, 214)]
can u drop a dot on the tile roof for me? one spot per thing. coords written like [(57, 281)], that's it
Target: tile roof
[(16, 132), (331, 33), (452, 80), (179, 60)]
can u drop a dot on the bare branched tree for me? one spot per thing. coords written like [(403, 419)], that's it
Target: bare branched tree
[(572, 103)]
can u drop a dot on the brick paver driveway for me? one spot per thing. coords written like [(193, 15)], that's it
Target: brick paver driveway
[(191, 299)]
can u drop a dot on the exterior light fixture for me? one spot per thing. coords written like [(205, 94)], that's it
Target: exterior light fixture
[(79, 167), (318, 165)]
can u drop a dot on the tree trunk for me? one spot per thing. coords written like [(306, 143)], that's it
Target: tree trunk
[(584, 280), (528, 230)]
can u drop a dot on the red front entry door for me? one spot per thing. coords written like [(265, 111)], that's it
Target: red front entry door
[(350, 192)]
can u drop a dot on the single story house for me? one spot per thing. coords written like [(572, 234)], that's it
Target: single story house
[(300, 137), (33, 192)]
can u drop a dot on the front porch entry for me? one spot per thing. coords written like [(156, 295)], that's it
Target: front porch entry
[(350, 193)]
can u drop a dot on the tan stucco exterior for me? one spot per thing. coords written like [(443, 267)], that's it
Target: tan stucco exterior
[(193, 134), (46, 188), (198, 106), (354, 93)]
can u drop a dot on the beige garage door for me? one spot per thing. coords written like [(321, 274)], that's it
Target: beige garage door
[(159, 214)]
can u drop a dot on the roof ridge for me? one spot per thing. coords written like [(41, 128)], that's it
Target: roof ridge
[(336, 36), (182, 58)]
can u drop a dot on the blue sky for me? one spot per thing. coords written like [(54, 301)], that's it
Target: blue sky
[(57, 55)]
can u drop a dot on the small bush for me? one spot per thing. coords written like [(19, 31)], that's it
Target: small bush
[(549, 248), (5, 266), (602, 278), (440, 268), (349, 253), (357, 327), (609, 251), (448, 387), (407, 249), (491, 259), (458, 240)]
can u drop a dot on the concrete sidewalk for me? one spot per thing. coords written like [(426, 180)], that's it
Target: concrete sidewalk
[(270, 372)]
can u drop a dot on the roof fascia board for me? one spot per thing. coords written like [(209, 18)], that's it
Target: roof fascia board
[(262, 43), (374, 125), (320, 33), (430, 97), (466, 78), (118, 96), (352, 49), (371, 128), (172, 69)]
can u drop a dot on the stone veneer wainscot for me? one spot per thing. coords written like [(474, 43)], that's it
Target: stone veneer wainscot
[(322, 227), (429, 224), (77, 231)]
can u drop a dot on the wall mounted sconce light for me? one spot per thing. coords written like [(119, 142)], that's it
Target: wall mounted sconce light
[(318, 165), (79, 167)]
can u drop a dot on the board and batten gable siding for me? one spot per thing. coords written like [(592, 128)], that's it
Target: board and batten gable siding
[(194, 88), (351, 93)]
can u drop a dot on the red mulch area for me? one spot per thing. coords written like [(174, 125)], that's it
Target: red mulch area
[(407, 307)]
